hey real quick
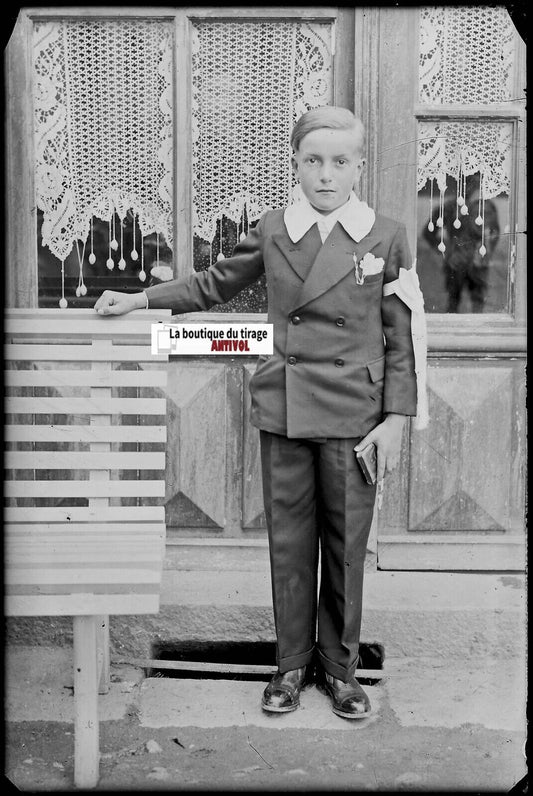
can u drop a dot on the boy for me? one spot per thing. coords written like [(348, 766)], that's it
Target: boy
[(342, 375)]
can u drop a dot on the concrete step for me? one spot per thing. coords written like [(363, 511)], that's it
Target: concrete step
[(410, 613), (439, 614)]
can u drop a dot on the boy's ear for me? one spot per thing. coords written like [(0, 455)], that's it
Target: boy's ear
[(360, 168), (294, 164)]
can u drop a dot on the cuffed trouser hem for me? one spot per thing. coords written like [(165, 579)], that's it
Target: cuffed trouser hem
[(335, 669), (295, 661)]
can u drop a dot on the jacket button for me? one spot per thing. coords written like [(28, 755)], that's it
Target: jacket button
[(339, 363), (292, 360), (296, 319), (340, 321)]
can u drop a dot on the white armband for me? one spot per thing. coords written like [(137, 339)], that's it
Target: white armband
[(407, 288)]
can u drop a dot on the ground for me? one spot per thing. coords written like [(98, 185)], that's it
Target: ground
[(434, 728)]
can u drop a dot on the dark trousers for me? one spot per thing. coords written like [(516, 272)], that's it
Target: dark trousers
[(316, 498)]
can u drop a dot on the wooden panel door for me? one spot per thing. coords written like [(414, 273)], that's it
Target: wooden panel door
[(457, 500)]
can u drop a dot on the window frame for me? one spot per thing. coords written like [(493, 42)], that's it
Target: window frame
[(400, 112)]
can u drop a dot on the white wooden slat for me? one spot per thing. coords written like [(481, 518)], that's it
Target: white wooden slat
[(107, 514), (22, 558), (147, 553), (85, 406), (81, 549), (61, 529), (82, 587), (19, 558), (92, 326), (26, 554), (86, 532), (57, 574), (84, 378), (25, 544), (27, 572), (86, 433), (81, 604), (56, 577), (42, 589), (84, 460), (78, 353), (84, 488)]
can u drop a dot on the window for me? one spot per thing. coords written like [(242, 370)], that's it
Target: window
[(467, 159), (158, 145)]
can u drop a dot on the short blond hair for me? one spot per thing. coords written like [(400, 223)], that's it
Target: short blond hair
[(329, 116)]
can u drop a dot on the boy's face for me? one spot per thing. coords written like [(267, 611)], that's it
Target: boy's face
[(328, 164)]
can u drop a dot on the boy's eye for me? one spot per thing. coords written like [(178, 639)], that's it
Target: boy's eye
[(341, 162)]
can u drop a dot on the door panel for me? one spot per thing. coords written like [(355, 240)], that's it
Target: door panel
[(457, 500)]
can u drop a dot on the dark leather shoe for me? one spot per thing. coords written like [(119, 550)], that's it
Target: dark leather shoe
[(282, 694), (347, 699)]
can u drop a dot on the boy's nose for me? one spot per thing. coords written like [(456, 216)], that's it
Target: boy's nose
[(325, 174)]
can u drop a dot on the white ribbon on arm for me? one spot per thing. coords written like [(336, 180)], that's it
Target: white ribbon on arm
[(407, 288)]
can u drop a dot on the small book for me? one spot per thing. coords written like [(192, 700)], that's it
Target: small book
[(368, 462)]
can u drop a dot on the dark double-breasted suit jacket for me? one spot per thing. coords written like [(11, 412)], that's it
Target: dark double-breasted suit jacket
[(343, 353)]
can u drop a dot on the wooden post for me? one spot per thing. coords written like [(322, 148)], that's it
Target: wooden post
[(86, 729), (21, 212), (102, 624)]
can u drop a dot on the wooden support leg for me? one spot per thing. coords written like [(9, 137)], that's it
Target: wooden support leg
[(86, 729), (102, 653)]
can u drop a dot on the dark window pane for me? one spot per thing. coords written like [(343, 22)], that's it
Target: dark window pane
[(471, 274), (252, 298), (119, 244)]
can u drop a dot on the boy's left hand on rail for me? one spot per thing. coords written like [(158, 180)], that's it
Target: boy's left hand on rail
[(111, 302)]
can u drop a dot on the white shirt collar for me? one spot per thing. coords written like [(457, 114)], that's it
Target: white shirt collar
[(356, 217)]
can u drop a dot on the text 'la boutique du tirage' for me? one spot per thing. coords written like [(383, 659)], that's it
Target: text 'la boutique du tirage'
[(212, 338)]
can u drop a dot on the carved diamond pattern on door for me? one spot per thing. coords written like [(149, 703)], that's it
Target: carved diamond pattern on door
[(196, 450), (461, 465)]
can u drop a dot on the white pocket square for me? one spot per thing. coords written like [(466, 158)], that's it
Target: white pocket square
[(367, 266)]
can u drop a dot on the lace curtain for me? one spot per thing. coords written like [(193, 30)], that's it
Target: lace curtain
[(466, 57), (466, 54), (103, 132), (250, 82), (103, 125)]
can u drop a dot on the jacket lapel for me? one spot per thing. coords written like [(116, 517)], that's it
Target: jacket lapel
[(334, 260), (299, 255)]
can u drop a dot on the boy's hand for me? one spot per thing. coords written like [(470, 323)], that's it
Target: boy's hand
[(387, 437), (111, 302)]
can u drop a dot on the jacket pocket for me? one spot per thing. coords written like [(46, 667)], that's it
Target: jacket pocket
[(376, 369), (372, 279)]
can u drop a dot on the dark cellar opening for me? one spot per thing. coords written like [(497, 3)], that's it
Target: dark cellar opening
[(243, 653)]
